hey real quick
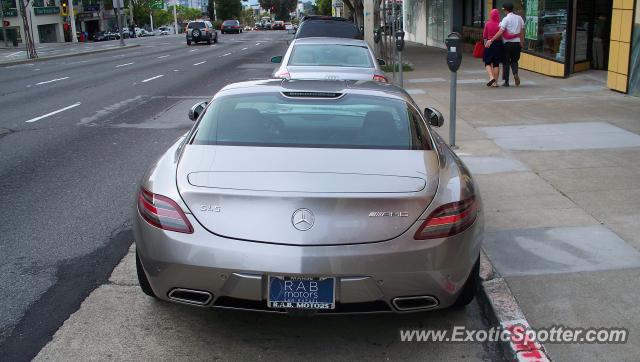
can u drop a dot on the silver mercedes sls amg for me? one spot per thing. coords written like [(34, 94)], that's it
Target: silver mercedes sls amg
[(310, 197)]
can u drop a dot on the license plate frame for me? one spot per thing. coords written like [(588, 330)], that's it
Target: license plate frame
[(282, 295)]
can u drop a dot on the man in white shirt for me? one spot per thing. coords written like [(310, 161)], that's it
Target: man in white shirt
[(512, 25)]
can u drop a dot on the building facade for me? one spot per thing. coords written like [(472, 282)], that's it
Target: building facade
[(46, 22), (49, 19), (562, 37)]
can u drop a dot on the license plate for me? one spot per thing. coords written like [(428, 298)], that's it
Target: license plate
[(301, 292)]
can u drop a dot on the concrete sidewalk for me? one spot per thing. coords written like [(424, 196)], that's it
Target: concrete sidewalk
[(558, 164), (15, 55)]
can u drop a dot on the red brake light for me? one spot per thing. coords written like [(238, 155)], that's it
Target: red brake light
[(162, 212), (380, 78), (283, 74), (449, 219)]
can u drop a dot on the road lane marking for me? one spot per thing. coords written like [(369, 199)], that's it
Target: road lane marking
[(224, 55), (257, 43), (244, 48), (193, 50), (52, 113), (163, 56), (52, 80), (123, 65), (152, 78), (176, 70), (12, 54), (200, 63)]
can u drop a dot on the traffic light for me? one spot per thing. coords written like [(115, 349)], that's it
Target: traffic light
[(63, 8)]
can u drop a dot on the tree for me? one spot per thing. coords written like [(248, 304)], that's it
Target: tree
[(228, 9), (324, 7), (246, 17), (281, 8), (210, 9)]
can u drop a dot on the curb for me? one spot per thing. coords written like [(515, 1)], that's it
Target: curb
[(497, 301), (23, 61)]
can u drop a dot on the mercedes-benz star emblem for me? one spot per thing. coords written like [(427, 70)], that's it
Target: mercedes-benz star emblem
[(303, 219)]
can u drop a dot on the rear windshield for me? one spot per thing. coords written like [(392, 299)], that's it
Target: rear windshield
[(328, 28), (230, 22), (196, 25), (331, 55), (274, 120)]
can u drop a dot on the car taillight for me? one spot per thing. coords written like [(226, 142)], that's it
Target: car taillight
[(162, 212), (380, 78), (283, 74), (448, 220)]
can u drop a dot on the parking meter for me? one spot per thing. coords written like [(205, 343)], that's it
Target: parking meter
[(454, 51), (454, 59), (399, 37), (377, 35), (399, 40)]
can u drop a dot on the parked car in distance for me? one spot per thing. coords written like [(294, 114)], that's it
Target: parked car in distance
[(329, 59), (201, 30), (345, 184), (231, 26), (165, 30), (278, 25), (328, 26), (102, 36)]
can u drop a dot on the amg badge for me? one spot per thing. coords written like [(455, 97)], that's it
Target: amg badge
[(388, 214)]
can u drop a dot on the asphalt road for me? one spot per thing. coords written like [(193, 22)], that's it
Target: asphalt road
[(76, 134), (67, 180)]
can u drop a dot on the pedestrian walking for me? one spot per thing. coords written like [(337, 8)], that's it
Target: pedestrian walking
[(512, 34), (494, 52)]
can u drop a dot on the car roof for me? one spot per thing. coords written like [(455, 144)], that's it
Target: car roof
[(330, 40), (323, 18), (370, 88)]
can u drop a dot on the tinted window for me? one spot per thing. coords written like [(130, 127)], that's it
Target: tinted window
[(328, 28), (231, 22), (352, 121), (331, 55), (196, 25), (421, 135)]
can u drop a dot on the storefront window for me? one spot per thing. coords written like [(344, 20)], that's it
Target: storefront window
[(473, 13), (546, 28), (439, 25)]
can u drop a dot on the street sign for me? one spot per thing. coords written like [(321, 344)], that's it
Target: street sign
[(6, 23), (157, 4)]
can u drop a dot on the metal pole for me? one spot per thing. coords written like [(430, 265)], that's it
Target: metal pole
[(72, 20), (4, 29), (120, 21), (400, 69), (151, 18), (452, 110), (393, 36)]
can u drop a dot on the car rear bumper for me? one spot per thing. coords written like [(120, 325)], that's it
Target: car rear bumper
[(368, 276)]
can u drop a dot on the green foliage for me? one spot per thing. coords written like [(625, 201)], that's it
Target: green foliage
[(246, 17), (406, 67), (281, 8), (228, 9), (324, 7)]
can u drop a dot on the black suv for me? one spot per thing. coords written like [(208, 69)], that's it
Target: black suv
[(328, 26), (201, 31)]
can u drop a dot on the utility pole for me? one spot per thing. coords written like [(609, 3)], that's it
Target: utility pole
[(131, 13), (175, 17), (118, 5), (72, 20), (28, 37), (151, 19), (4, 29)]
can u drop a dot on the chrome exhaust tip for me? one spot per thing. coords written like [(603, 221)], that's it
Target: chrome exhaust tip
[(190, 296), (415, 303)]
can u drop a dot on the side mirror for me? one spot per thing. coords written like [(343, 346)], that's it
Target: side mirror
[(196, 110), (276, 59), (382, 62), (434, 117)]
